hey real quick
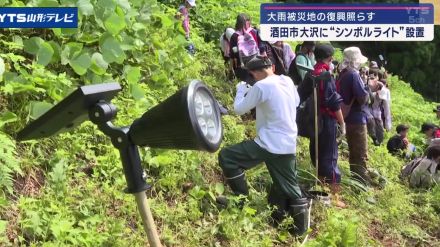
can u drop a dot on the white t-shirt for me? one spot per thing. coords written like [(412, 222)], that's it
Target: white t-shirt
[(276, 100)]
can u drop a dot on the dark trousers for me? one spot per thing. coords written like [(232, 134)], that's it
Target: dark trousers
[(235, 159), (376, 130), (358, 149), (327, 151)]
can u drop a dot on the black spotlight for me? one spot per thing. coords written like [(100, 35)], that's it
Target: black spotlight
[(189, 119)]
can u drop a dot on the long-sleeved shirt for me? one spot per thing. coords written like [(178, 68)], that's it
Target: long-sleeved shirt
[(353, 91), (304, 60), (288, 56), (275, 99), (380, 105)]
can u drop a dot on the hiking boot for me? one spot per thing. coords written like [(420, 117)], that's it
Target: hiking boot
[(239, 187), (377, 179), (299, 211), (361, 174)]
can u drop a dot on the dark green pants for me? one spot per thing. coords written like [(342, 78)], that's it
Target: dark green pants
[(246, 155)]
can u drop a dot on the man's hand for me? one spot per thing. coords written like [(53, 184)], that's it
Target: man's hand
[(243, 87), (405, 142), (342, 130)]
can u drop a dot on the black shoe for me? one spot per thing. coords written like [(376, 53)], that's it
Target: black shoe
[(223, 202), (361, 174), (239, 187)]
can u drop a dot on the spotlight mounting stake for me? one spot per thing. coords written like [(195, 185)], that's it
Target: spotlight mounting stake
[(101, 115)]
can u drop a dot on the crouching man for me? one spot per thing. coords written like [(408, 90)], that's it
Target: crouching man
[(275, 99)]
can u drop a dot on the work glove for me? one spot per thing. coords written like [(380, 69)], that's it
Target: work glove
[(243, 87)]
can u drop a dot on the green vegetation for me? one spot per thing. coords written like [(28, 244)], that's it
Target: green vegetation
[(67, 190)]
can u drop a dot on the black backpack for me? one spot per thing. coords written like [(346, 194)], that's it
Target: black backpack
[(293, 70), (277, 59), (305, 113)]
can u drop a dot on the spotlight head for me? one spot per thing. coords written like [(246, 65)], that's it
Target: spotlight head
[(189, 119)]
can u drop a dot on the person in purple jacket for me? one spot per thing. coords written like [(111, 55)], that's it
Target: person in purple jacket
[(184, 15), (355, 97)]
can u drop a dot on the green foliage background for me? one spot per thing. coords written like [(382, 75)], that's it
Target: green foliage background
[(67, 190)]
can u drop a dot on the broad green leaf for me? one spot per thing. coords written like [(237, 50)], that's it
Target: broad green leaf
[(125, 4), (219, 188), (2, 68), (111, 51), (70, 50), (115, 23), (132, 74), (80, 63), (103, 9), (7, 117), (47, 3), (39, 108), (99, 65), (44, 54), (70, 3), (32, 45), (85, 7), (137, 91), (59, 227), (249, 210), (56, 51), (18, 40), (3, 224), (17, 4), (57, 31), (69, 31), (166, 21)]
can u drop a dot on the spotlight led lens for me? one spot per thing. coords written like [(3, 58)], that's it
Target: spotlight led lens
[(199, 105), (207, 105), (211, 129), (203, 126)]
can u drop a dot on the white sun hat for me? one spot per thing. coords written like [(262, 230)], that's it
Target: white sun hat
[(353, 54), (191, 2)]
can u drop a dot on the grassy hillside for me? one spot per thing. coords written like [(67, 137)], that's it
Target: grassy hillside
[(67, 190)]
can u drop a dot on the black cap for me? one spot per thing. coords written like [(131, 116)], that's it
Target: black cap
[(437, 109), (401, 127), (258, 62), (323, 51), (427, 126)]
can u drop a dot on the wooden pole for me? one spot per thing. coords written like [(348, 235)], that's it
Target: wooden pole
[(315, 94), (147, 219)]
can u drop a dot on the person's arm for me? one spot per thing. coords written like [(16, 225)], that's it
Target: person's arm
[(246, 99), (360, 93), (301, 60)]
